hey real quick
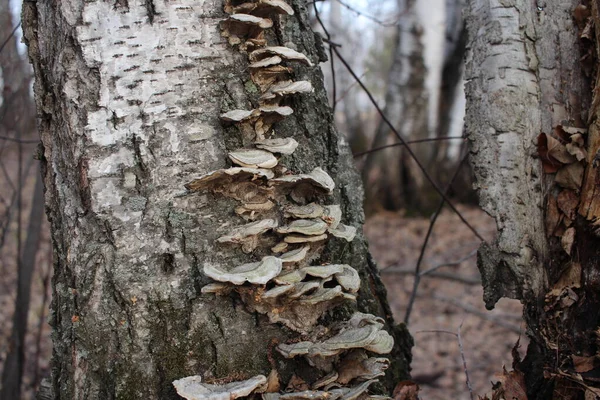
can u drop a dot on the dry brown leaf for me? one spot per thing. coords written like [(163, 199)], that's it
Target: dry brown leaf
[(583, 364), (571, 277), (589, 395), (568, 201), (273, 384), (406, 390), (553, 216), (570, 176), (567, 240), (558, 151), (350, 368), (549, 163), (512, 385), (576, 151), (296, 384)]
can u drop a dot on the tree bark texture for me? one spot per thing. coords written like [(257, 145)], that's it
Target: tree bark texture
[(129, 95), (526, 74)]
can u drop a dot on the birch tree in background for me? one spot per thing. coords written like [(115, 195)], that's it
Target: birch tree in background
[(422, 87), (532, 120)]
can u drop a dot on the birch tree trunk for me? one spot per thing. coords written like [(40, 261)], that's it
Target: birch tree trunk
[(129, 95), (526, 75)]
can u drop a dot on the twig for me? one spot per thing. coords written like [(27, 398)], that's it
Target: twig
[(450, 276), (370, 17), (450, 264), (402, 140), (363, 153), (350, 87), (461, 350), (9, 37), (331, 59), (462, 355), (417, 281), (26, 141), (495, 319)]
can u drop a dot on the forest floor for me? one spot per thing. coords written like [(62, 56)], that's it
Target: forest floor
[(444, 303), (441, 304)]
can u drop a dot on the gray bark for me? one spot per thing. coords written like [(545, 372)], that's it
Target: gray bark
[(525, 77), (129, 96)]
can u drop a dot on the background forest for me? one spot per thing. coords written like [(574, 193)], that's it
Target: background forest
[(391, 62)]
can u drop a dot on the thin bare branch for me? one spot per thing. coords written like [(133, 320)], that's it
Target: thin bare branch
[(450, 276), (462, 355), (371, 17), (402, 140), (9, 37), (434, 218), (24, 141), (387, 146)]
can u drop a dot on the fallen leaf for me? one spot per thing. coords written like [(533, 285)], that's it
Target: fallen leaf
[(571, 277), (558, 151), (567, 200), (570, 176), (296, 384), (512, 385), (549, 163), (406, 390), (273, 384), (567, 240), (553, 216), (576, 151), (583, 364)]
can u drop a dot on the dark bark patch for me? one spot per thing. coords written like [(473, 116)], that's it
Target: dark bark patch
[(151, 9), (168, 263)]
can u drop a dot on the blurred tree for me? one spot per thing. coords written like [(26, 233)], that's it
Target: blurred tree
[(532, 96), (17, 122), (129, 95), (423, 84)]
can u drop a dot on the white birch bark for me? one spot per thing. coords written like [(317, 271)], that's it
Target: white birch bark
[(129, 95)]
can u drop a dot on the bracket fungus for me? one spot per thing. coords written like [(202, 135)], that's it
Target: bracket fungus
[(294, 239), (258, 273), (300, 295), (253, 158), (312, 210), (192, 388), (262, 7), (317, 178), (265, 77), (285, 88), (280, 51), (361, 331), (345, 232), (295, 255), (247, 235), (357, 365), (285, 146), (245, 29), (332, 215), (224, 177), (304, 227), (239, 115)]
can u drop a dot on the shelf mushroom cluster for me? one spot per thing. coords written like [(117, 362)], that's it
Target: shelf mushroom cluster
[(287, 227)]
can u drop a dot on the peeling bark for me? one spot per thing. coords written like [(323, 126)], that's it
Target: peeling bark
[(129, 99), (526, 75)]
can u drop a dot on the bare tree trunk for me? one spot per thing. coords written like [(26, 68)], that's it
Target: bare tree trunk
[(14, 364), (129, 95), (525, 77)]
